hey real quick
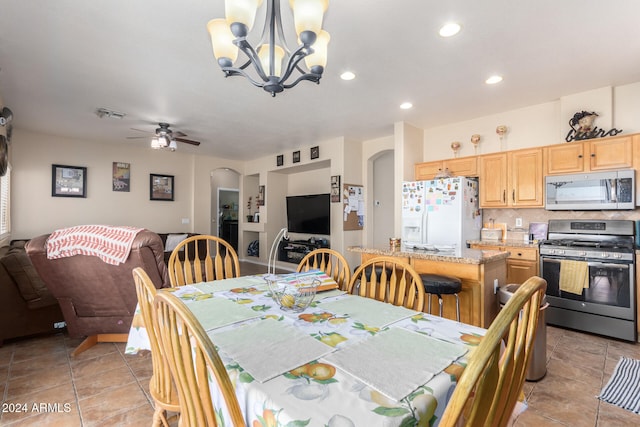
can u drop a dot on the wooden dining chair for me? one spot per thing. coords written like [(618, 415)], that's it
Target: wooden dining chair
[(491, 384), (193, 361), (161, 386), (202, 258), (331, 262), (390, 280)]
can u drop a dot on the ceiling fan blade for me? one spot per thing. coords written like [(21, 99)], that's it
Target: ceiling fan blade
[(188, 141), (140, 130)]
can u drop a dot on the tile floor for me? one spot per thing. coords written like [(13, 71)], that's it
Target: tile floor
[(41, 384)]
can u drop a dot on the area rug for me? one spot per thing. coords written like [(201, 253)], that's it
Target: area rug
[(623, 388)]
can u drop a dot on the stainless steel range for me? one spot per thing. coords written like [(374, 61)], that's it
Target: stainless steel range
[(607, 306)]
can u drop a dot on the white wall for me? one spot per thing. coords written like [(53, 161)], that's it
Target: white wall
[(536, 125), (37, 212)]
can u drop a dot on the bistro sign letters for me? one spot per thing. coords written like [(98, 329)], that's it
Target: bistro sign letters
[(582, 128)]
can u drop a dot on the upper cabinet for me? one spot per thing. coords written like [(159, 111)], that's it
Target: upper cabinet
[(512, 179), (493, 180), (590, 155), (463, 166)]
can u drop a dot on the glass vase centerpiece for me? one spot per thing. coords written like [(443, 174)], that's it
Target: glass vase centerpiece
[(290, 292)]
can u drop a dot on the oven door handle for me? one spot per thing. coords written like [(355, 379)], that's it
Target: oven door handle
[(624, 264)]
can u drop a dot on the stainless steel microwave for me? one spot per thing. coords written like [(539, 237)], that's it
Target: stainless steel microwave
[(591, 191)]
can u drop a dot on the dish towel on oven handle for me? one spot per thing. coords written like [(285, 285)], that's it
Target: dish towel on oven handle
[(574, 276)]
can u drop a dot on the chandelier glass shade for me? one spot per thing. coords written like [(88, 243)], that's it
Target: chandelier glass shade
[(275, 66)]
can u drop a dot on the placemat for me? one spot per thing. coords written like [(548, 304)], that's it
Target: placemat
[(368, 311), (396, 361), (236, 282), (215, 313), (269, 348)]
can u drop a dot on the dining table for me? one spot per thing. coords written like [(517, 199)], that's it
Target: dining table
[(344, 360)]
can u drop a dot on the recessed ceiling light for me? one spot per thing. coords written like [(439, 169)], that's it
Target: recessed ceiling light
[(406, 105), (347, 75), (449, 29), (493, 80)]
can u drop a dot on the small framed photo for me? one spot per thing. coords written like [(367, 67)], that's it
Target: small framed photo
[(315, 152), (68, 181), (260, 198), (335, 188), (121, 176), (296, 157), (161, 187), (280, 160)]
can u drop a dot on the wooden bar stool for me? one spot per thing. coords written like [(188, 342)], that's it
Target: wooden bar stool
[(442, 285)]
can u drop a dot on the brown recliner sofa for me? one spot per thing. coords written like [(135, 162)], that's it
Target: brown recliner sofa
[(27, 307), (98, 299)]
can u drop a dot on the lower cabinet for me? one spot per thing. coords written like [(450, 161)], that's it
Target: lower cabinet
[(522, 263)]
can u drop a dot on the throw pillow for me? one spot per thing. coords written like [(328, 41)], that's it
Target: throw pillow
[(173, 240)]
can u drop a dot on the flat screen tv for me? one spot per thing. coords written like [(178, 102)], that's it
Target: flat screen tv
[(309, 214)]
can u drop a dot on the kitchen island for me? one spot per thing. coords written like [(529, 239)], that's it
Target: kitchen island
[(481, 271)]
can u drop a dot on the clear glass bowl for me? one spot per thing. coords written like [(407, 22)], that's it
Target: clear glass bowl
[(290, 293)]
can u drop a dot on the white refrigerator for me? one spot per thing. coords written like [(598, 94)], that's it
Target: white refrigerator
[(440, 213)]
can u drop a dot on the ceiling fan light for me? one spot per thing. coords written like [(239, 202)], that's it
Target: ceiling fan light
[(163, 141), (155, 144), (320, 48), (222, 40), (243, 11), (263, 54), (308, 14), (173, 146)]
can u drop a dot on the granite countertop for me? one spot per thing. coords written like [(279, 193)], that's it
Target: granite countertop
[(510, 243), (460, 256)]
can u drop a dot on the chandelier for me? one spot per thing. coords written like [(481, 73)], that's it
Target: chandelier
[(276, 67)]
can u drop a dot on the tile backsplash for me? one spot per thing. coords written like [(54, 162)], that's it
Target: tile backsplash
[(509, 216)]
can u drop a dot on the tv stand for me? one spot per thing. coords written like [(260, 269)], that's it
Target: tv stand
[(294, 250)]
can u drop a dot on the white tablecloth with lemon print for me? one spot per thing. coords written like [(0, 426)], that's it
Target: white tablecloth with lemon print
[(319, 393)]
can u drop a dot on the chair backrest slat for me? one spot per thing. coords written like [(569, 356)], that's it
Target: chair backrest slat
[(161, 385), (202, 258), (193, 361), (388, 279), (331, 262), (491, 383)]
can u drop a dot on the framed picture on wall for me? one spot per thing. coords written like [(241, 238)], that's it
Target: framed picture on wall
[(260, 198), (280, 160), (161, 187), (121, 176), (68, 181), (315, 152), (335, 189), (296, 156)]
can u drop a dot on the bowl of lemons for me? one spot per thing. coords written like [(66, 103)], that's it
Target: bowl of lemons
[(292, 293)]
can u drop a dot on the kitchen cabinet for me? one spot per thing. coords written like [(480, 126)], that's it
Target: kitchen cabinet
[(590, 155), (462, 166), (427, 170), (512, 179), (522, 263)]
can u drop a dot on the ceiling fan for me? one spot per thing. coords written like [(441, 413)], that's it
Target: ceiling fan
[(165, 137)]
